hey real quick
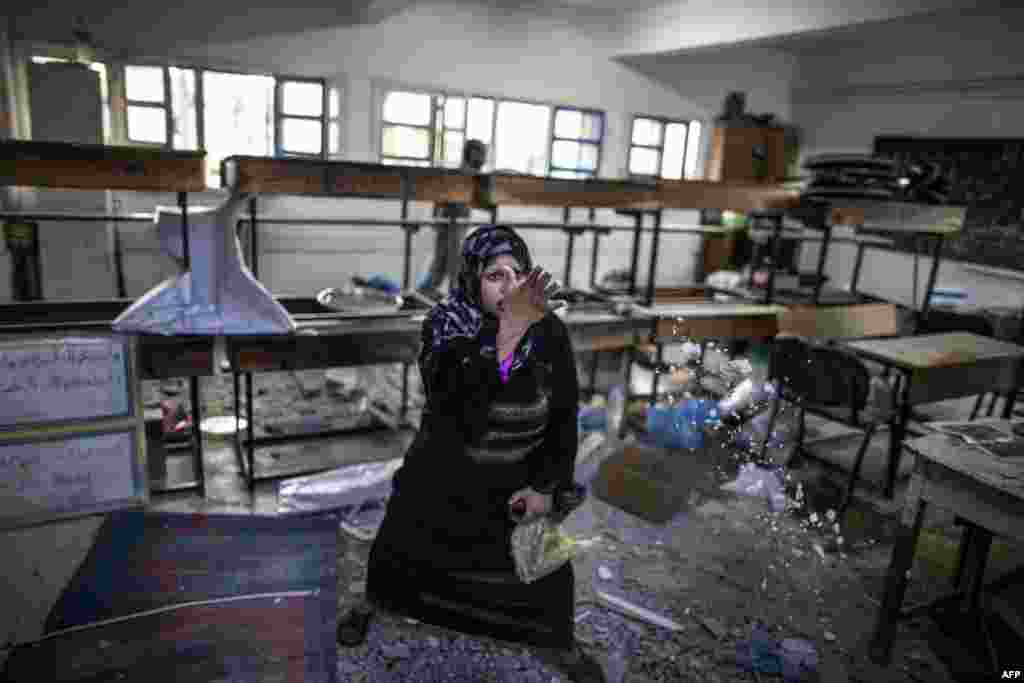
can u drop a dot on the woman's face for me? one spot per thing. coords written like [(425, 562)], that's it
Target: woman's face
[(496, 281)]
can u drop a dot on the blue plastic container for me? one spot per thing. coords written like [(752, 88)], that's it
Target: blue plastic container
[(681, 425)]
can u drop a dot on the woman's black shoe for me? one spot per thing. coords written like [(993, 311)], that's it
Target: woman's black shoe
[(353, 626)]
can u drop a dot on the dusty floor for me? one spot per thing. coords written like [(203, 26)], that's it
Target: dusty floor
[(723, 564)]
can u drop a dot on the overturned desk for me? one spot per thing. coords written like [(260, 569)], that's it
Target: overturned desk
[(982, 488)]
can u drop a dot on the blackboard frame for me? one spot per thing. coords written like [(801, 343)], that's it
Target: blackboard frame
[(140, 484), (985, 176), (128, 348)]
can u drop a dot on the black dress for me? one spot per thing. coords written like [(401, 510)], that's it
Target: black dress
[(442, 553)]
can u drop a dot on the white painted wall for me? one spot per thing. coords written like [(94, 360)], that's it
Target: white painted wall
[(961, 79), (706, 77)]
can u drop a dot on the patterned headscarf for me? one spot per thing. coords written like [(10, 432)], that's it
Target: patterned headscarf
[(461, 314)]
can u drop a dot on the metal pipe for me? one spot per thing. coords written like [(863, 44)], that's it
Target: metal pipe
[(936, 258), (651, 274), (593, 259), (253, 239), (81, 217), (638, 224), (822, 258)]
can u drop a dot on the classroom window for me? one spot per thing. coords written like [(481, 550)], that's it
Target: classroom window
[(407, 133), (238, 111), (229, 113), (663, 148), (148, 109), (576, 143), (301, 117), (522, 138), (431, 129)]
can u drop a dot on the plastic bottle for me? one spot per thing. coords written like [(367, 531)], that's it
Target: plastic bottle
[(616, 407)]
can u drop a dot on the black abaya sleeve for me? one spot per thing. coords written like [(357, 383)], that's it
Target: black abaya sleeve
[(456, 382), (552, 464)]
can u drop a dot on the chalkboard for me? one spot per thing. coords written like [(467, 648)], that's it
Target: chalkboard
[(985, 175), (48, 380), (67, 476)]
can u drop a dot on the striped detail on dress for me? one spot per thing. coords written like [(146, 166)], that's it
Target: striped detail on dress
[(513, 430)]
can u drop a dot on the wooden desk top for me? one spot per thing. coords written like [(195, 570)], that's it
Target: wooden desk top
[(100, 167), (1004, 474), (927, 351), (709, 310)]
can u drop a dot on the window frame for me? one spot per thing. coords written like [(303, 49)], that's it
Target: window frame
[(552, 138), (387, 87), (279, 116), (664, 121)]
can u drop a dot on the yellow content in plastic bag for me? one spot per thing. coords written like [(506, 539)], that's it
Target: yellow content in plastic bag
[(539, 547)]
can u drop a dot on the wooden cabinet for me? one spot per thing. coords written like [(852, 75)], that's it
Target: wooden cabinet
[(749, 154)]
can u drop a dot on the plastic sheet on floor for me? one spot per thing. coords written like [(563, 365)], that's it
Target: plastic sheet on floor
[(759, 482), (358, 492)]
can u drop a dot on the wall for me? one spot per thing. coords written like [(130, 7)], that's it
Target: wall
[(950, 79), (764, 74)]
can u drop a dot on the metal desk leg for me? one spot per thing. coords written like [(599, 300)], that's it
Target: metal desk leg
[(896, 435), (855, 277), (197, 437), (652, 272), (880, 648), (658, 357), (253, 239), (638, 225), (936, 258), (822, 260), (250, 448)]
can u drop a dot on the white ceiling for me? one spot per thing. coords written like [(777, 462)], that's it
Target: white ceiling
[(144, 25)]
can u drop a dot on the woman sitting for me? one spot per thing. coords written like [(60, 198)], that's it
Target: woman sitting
[(498, 430)]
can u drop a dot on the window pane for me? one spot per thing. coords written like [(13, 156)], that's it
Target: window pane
[(147, 124), (455, 112), (692, 148), (183, 108), (407, 107), (565, 154), (481, 119), (144, 83), (302, 99), (643, 161), (333, 137), (238, 117), (334, 98), (592, 128), (402, 141), (588, 157), (569, 175), (404, 162), (453, 143), (646, 132), (522, 139), (672, 158), (568, 124), (300, 135)]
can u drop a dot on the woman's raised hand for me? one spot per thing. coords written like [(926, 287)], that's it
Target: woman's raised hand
[(526, 302)]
